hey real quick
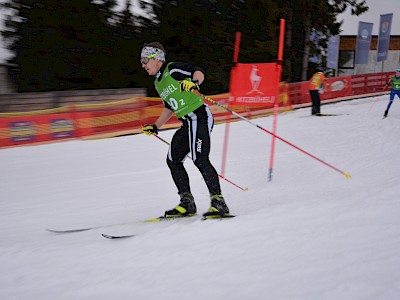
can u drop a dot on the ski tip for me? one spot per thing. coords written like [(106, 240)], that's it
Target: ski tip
[(329, 115), (218, 217), (67, 230), (107, 236)]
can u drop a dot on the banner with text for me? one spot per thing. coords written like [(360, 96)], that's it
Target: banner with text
[(333, 52), (363, 42), (384, 36), (254, 84)]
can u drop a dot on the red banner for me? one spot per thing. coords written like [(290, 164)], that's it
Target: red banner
[(255, 84), (122, 118)]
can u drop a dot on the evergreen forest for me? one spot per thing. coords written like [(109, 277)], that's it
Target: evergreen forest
[(83, 44)]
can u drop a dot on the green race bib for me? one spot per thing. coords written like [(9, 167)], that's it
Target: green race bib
[(182, 103)]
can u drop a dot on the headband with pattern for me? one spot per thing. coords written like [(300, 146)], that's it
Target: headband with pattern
[(151, 52)]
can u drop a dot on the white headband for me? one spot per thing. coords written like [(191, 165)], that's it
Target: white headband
[(150, 51)]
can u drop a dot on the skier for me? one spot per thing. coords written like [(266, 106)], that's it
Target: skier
[(174, 82), (395, 90), (317, 82)]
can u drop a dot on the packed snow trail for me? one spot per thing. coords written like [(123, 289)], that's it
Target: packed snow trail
[(308, 234)]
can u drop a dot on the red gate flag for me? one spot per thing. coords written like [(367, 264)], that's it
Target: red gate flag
[(254, 84)]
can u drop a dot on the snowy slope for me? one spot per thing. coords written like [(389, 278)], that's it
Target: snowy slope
[(309, 234)]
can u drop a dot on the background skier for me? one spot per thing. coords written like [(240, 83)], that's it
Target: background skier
[(395, 90)]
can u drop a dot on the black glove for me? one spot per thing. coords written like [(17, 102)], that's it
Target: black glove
[(187, 85), (150, 129)]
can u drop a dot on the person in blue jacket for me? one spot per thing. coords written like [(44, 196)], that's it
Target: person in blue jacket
[(395, 90)]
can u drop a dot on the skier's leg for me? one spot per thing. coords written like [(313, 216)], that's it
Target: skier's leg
[(178, 150), (392, 93), (318, 102), (314, 101), (200, 126)]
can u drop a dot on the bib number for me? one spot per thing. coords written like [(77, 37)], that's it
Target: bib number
[(174, 103)]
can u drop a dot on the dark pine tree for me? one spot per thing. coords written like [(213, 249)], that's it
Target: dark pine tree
[(59, 45)]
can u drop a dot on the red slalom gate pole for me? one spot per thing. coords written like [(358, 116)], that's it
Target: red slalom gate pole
[(375, 100), (225, 147), (347, 175), (274, 126), (228, 122), (276, 104), (221, 176)]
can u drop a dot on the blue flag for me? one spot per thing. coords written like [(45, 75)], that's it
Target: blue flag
[(384, 36), (363, 42), (333, 52)]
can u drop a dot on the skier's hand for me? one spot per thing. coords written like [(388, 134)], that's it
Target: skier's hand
[(150, 129), (187, 85)]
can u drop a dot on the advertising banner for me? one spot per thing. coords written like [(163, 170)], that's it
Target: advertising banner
[(363, 42), (384, 36), (36, 129), (333, 52), (254, 84), (336, 87)]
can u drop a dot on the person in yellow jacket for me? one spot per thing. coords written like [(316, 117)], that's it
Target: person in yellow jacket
[(317, 82)]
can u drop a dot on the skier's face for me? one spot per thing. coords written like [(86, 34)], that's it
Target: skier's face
[(151, 66)]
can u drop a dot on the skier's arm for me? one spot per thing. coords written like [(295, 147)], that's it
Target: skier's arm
[(324, 83), (181, 71), (193, 84), (151, 129), (166, 114), (198, 76), (387, 83)]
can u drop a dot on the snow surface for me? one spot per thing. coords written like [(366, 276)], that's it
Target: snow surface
[(309, 234)]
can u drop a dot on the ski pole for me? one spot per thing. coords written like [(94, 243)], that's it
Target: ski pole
[(347, 175), (223, 177)]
